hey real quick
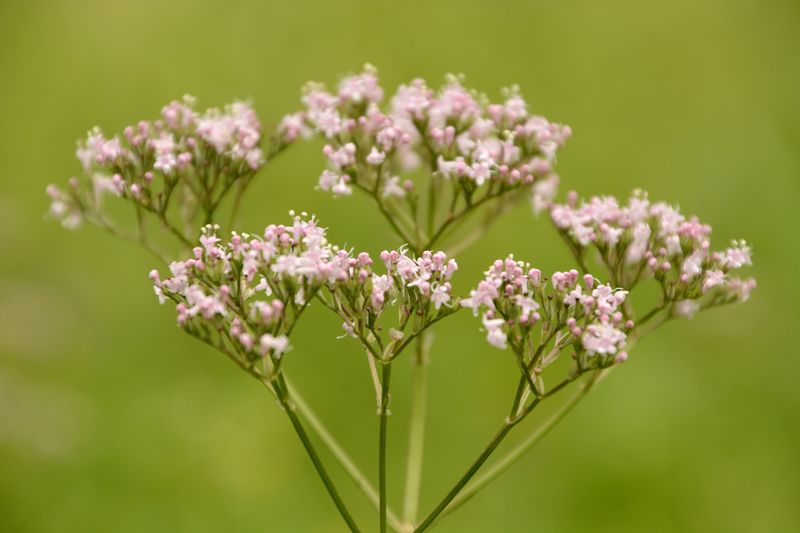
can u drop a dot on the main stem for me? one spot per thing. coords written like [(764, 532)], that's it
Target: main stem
[(286, 403), (386, 373), (416, 432)]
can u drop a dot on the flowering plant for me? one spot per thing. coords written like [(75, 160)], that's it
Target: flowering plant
[(430, 161)]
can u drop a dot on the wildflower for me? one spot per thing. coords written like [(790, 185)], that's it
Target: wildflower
[(494, 333), (686, 308), (602, 339), (277, 346)]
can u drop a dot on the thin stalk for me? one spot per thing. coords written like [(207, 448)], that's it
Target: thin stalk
[(386, 374), (289, 407), (386, 214), (453, 217), (508, 425), (517, 453), (373, 372), (473, 469), (341, 456), (416, 431)]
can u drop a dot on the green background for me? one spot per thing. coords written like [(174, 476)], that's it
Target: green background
[(112, 420)]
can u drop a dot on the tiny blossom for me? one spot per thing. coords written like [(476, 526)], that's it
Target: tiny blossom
[(331, 181), (494, 332), (737, 256), (277, 345), (602, 339), (393, 188), (293, 126), (686, 308), (714, 278), (741, 288), (63, 209), (376, 157)]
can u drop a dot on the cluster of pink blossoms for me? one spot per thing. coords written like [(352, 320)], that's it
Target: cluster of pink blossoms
[(204, 152), (515, 298), (463, 137), (250, 290), (654, 239)]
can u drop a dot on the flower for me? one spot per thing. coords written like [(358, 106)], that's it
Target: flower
[(277, 346), (602, 339), (686, 308), (494, 332)]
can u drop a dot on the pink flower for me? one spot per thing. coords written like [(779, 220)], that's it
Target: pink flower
[(494, 332), (440, 295), (393, 189), (275, 345), (714, 278), (483, 295), (686, 308), (376, 157), (737, 256), (602, 339)]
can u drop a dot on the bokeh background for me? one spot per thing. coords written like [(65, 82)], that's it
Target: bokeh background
[(112, 420)]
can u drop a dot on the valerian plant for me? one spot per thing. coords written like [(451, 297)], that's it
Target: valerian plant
[(430, 160)]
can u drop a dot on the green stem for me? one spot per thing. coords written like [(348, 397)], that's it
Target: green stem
[(416, 432), (288, 406), (508, 425), (453, 217), (341, 456), (386, 374), (517, 453), (473, 469)]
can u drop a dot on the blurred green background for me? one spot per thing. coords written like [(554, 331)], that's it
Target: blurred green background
[(113, 420)]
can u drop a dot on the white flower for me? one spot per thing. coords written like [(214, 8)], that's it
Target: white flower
[(714, 278), (602, 339), (278, 345), (494, 332), (693, 265), (440, 296), (393, 189), (737, 256), (376, 157), (686, 308)]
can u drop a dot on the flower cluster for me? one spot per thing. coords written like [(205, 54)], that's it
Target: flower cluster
[(464, 138), (571, 309), (641, 239), (419, 287), (248, 292), (197, 156)]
